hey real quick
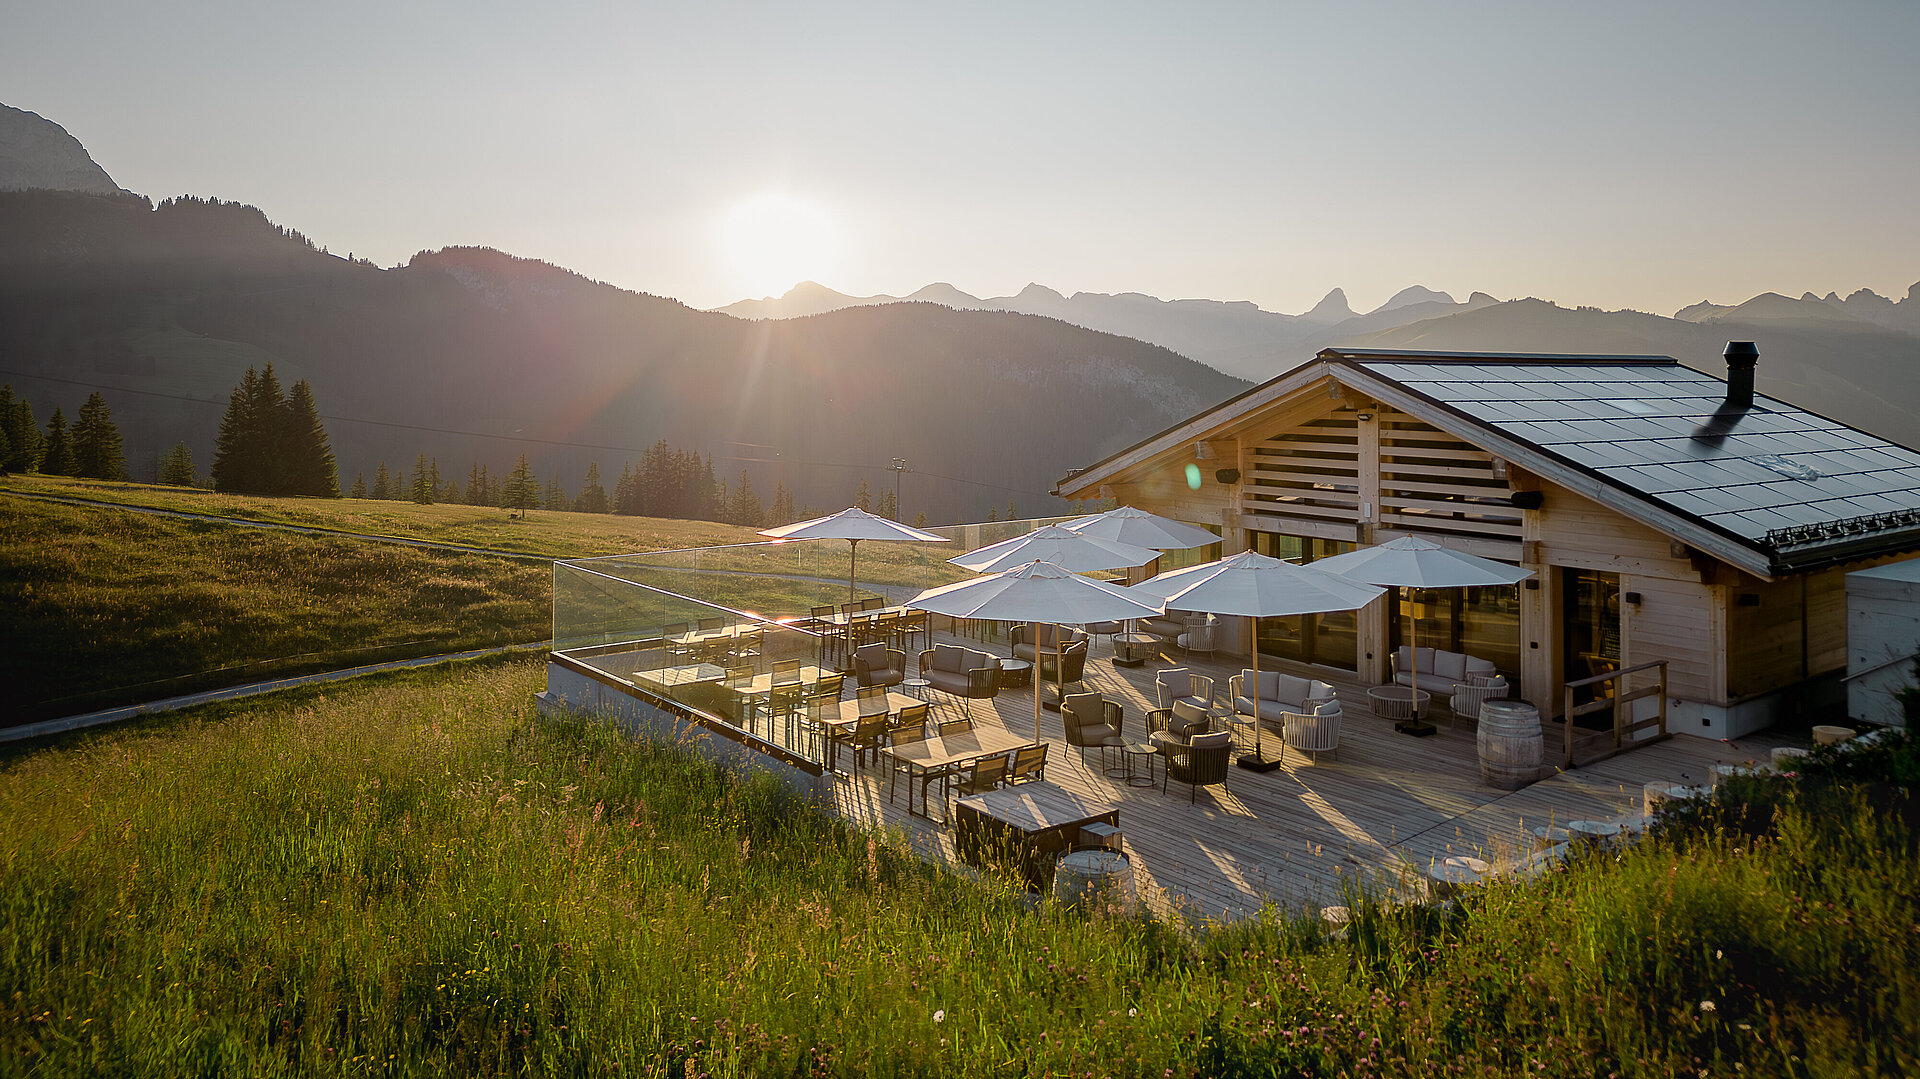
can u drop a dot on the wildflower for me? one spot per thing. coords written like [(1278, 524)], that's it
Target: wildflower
[(940, 1016), (1131, 1012), (1708, 1007)]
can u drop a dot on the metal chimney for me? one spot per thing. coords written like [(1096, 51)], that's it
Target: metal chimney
[(1741, 358)]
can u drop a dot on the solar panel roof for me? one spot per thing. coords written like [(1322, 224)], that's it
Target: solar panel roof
[(1631, 423)]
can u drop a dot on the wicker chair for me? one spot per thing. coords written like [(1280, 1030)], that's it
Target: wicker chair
[(878, 665), (1201, 762), (1092, 720), (1313, 732), (1467, 699), (1180, 684)]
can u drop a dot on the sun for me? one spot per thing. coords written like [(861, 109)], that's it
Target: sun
[(774, 241)]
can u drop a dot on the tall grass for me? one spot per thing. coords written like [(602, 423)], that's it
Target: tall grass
[(105, 607), (417, 875)]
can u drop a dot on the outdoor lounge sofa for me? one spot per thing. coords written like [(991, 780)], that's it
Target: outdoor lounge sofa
[(961, 671), (1024, 645), (1440, 671), (1279, 694)]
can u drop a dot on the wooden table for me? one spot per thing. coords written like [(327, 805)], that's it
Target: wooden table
[(931, 758), (1027, 824), (709, 640), (688, 674), (848, 717)]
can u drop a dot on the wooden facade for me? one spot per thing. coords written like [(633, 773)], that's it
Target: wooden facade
[(1309, 455)]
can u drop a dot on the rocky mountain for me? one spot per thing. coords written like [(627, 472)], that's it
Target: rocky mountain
[(1236, 337), (471, 355), (35, 152)]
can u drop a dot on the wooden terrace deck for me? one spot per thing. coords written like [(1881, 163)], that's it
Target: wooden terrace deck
[(1386, 808)]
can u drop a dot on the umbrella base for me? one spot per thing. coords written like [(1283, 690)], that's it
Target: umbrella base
[(1416, 728), (1120, 661), (1256, 764)]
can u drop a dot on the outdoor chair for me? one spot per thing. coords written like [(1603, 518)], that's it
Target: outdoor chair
[(863, 738), (827, 688), (1180, 684), (783, 700), (1278, 694), (878, 665), (1199, 638), (1201, 763), (1109, 630), (984, 775), (1313, 732), (738, 702), (709, 624), (958, 725), (1170, 729), (676, 648), (1029, 765), (912, 719), (1092, 720), (1066, 668), (1467, 699)]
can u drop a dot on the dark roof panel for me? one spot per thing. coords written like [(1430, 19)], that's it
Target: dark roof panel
[(1630, 420)]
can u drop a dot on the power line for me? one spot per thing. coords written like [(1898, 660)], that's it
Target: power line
[(519, 438)]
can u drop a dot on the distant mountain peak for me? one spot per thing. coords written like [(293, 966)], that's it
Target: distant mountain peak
[(1333, 307), (1039, 292), (35, 152), (1410, 295)]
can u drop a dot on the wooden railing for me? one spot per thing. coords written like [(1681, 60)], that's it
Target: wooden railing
[(1625, 729)]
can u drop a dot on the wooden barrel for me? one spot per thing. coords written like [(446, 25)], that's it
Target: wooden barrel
[(1510, 748), (1094, 881)]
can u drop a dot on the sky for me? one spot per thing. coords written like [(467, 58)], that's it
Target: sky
[(1639, 155)]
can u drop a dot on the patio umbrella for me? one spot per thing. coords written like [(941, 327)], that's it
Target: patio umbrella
[(1253, 585), (853, 525), (1070, 551), (1038, 592), (1142, 529), (1414, 562)]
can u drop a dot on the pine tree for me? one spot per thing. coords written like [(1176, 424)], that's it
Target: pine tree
[(380, 482), (176, 468), (58, 459), (746, 509), (306, 456), (993, 513), (476, 486), (519, 492), (25, 445), (920, 519), (450, 494), (781, 512), (556, 495), (1010, 514), (248, 457), (97, 450), (886, 506), (424, 489), (6, 446), (397, 488), (593, 497), (863, 498), (359, 486)]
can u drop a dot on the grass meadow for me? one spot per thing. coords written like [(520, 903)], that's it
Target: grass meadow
[(416, 874), (543, 533), (106, 607)]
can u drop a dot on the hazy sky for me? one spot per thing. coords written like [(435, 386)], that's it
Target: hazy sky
[(1617, 154)]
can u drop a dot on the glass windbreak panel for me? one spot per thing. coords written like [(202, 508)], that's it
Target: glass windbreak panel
[(1331, 639)]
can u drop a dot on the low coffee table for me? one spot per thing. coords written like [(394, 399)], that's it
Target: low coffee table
[(1015, 674), (1137, 752), (1400, 704), (1132, 649)]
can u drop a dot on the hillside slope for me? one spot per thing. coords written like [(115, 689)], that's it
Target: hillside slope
[(472, 355)]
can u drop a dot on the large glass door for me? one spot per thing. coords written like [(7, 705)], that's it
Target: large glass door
[(1590, 607), (1331, 639), (1483, 622)]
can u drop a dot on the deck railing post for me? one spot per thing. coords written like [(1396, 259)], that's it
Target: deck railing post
[(1566, 723)]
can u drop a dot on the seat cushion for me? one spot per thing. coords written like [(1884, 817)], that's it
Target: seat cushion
[(946, 657), (1208, 741), (1271, 711), (1178, 683), (1187, 720)]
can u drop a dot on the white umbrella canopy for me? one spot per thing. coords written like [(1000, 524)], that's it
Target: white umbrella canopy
[(1054, 544), (1142, 529), (1036, 592), (1253, 585), (1416, 562), (853, 525)]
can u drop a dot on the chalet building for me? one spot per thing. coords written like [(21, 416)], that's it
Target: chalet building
[(1668, 515)]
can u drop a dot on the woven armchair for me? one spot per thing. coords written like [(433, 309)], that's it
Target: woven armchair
[(1467, 699)]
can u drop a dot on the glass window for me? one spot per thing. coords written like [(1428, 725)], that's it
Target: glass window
[(1331, 639)]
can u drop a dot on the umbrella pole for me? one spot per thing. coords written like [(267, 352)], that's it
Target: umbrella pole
[(1036, 682), (1258, 761), (853, 554), (1414, 727)]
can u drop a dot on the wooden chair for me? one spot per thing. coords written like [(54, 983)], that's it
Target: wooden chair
[(783, 700), (864, 738), (957, 725), (912, 718), (1029, 765), (979, 778), (675, 648), (709, 624)]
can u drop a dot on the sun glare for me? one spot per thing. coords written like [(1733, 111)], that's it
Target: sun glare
[(775, 241)]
